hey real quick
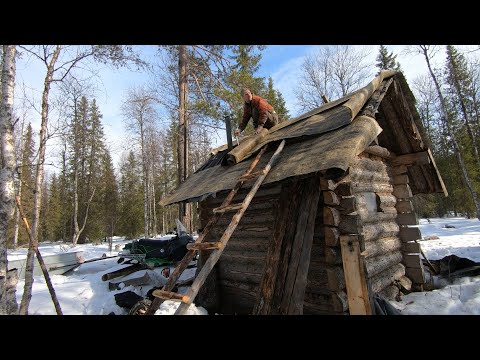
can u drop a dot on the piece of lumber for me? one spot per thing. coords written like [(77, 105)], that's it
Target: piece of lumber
[(356, 283), (204, 246), (411, 247), (252, 175), (402, 191), (429, 264), (331, 216), (141, 280), (412, 260), (350, 224), (404, 206), (400, 179), (417, 275), (380, 151), (168, 295), (123, 272), (330, 198), (407, 219), (405, 284), (347, 205), (407, 234), (227, 208), (400, 169), (418, 158), (326, 184), (344, 189), (332, 236)]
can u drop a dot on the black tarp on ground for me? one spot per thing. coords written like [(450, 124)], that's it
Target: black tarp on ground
[(452, 265)]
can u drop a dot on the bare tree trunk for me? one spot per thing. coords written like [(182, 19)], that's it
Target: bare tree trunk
[(37, 199), (17, 215), (456, 148), (150, 205), (466, 116), (145, 180), (53, 295), (19, 188), (164, 210), (76, 228), (155, 232), (7, 190), (78, 231), (182, 66)]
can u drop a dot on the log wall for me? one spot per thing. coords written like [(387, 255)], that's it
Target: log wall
[(365, 205), (235, 279), (372, 201)]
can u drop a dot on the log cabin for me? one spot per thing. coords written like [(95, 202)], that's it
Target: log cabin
[(333, 222)]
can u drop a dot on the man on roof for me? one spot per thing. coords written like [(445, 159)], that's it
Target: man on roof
[(257, 108)]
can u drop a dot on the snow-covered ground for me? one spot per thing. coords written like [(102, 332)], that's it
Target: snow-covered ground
[(82, 291), (460, 296)]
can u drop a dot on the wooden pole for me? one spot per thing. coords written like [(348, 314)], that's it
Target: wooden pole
[(212, 260), (34, 246), (357, 290), (191, 253)]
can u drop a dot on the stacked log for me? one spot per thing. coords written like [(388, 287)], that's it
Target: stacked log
[(372, 215), (408, 234), (380, 229)]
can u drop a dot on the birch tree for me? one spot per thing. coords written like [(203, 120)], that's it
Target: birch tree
[(7, 192), (139, 113), (333, 71)]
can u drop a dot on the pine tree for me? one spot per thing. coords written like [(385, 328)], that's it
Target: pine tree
[(387, 61)]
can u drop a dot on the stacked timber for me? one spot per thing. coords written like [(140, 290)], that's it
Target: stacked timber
[(369, 187), (378, 214), (408, 234), (336, 207)]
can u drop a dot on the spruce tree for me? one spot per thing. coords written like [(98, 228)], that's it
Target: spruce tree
[(460, 90), (55, 216), (108, 195), (275, 98), (27, 178), (131, 198), (387, 61)]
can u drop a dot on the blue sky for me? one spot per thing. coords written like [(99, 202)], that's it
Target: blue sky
[(282, 62)]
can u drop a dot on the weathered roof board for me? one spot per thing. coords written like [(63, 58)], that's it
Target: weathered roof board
[(328, 137)]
